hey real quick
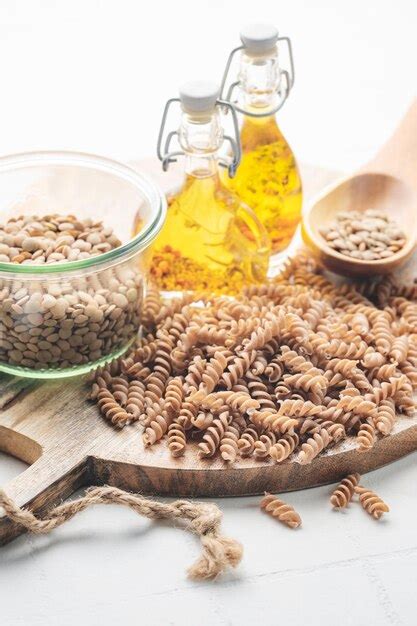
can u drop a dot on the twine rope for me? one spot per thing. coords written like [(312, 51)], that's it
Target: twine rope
[(202, 519)]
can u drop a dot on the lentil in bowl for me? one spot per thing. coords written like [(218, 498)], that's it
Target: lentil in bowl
[(67, 307)]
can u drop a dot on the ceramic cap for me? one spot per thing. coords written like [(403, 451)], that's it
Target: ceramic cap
[(259, 38), (199, 96)]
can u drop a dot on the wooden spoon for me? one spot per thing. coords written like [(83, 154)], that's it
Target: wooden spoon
[(388, 183)]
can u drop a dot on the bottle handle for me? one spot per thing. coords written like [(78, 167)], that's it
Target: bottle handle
[(283, 91), (226, 72), (163, 145), (163, 154), (234, 142)]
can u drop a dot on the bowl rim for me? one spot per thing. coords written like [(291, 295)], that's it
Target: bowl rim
[(321, 244), (154, 196)]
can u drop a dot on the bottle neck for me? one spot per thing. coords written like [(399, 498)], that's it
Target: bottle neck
[(201, 138), (259, 81), (201, 167)]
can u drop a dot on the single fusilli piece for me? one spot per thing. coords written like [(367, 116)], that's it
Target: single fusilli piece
[(259, 391), (272, 420), (365, 437), (399, 349), (202, 420), (371, 502), (174, 396), (335, 430), (343, 493), (274, 370), (157, 426), (135, 402), (194, 376), (238, 368), (389, 389), (151, 307), (299, 408), (264, 444), (311, 381), (313, 446), (211, 375), (237, 401), (176, 439), (280, 510), (385, 418), (229, 443), (111, 409), (188, 412), (285, 446), (357, 404), (214, 434), (120, 389), (381, 330), (247, 440), (271, 329)]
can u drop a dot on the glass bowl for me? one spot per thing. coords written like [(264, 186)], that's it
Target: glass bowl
[(67, 318)]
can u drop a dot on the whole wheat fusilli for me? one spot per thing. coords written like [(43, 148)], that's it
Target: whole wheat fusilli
[(283, 371)]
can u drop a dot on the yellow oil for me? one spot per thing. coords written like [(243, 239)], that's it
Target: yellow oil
[(210, 241), (268, 179)]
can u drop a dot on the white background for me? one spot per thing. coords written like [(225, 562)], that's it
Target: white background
[(91, 75), (94, 74)]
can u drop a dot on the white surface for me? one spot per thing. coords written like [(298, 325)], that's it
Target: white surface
[(108, 566), (85, 74)]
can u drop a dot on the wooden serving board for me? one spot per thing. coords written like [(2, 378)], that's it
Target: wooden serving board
[(52, 427)]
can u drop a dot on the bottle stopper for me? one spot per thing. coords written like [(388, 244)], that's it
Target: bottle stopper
[(259, 38), (199, 97)]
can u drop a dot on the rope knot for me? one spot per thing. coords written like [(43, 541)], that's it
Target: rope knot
[(208, 520)]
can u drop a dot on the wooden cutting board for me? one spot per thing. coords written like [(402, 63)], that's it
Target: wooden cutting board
[(52, 427)]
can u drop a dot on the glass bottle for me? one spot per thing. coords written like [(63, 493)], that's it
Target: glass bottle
[(268, 179), (210, 240)]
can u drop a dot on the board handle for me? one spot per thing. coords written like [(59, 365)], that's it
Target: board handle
[(44, 484)]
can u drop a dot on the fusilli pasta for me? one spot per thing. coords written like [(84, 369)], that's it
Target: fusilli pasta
[(343, 493), (285, 369), (280, 510), (371, 502)]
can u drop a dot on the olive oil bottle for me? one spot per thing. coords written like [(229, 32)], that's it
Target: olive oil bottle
[(211, 241), (268, 179)]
